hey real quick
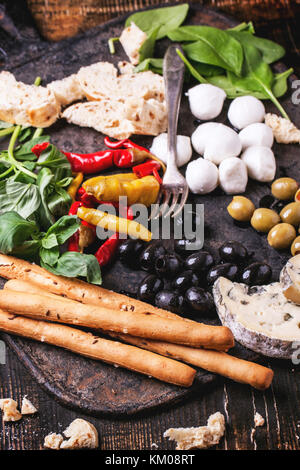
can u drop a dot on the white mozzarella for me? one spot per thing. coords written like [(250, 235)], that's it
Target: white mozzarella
[(206, 101), (159, 148), (256, 134), (216, 142), (246, 110), (233, 175), (202, 176), (260, 162)]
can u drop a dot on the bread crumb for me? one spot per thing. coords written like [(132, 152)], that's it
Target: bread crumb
[(81, 434), (258, 420), (53, 441), (285, 132), (132, 38), (201, 437), (27, 407), (10, 411)]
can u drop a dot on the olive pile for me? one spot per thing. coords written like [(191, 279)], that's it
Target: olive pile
[(278, 214), (180, 280)]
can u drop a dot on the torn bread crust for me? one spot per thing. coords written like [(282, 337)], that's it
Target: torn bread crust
[(81, 434), (290, 279), (67, 90), (125, 67), (10, 411), (53, 441), (26, 105), (201, 437), (258, 420), (285, 132), (27, 407), (132, 39), (264, 321)]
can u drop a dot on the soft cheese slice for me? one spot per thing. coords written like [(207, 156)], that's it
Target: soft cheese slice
[(290, 279), (260, 318)]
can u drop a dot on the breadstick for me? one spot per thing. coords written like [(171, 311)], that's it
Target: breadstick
[(137, 324), (242, 371), (14, 268), (91, 346)]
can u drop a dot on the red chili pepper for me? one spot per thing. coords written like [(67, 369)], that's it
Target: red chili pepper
[(127, 143), (73, 243), (146, 169)]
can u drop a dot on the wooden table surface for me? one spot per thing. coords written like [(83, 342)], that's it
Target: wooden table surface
[(280, 405)]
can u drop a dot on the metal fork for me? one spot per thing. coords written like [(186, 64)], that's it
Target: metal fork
[(174, 184)]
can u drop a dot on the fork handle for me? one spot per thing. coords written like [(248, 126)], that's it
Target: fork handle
[(173, 71)]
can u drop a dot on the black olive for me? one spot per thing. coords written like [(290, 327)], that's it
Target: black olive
[(185, 247), (256, 274), (169, 300), (233, 252), (168, 265), (227, 270), (149, 287), (199, 262), (278, 205), (266, 201), (199, 300), (129, 251), (184, 281), (150, 255)]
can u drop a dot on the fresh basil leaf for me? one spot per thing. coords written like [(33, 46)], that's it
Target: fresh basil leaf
[(165, 19), (149, 64), (74, 264), (45, 182), (280, 85), (24, 152), (56, 161), (28, 250), (19, 197), (147, 48), (65, 182), (14, 231), (271, 52), (207, 70), (49, 256), (59, 202), (25, 133), (222, 81), (212, 46), (49, 241), (64, 228)]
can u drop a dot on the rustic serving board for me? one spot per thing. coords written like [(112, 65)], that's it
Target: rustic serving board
[(89, 385)]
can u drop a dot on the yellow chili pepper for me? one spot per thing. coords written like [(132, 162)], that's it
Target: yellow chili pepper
[(111, 188), (114, 223), (74, 186)]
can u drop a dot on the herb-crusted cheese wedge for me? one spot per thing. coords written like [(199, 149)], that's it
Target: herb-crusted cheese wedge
[(290, 279), (260, 318)]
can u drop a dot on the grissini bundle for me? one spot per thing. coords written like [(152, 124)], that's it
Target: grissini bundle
[(242, 371), (102, 349), (137, 324), (14, 268)]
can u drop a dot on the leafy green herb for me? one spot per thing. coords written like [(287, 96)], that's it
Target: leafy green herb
[(247, 27), (14, 230), (165, 19), (271, 52), (19, 197), (150, 64), (147, 48), (280, 84)]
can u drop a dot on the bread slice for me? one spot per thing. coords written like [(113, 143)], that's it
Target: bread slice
[(119, 120), (67, 90), (26, 105), (285, 132), (260, 318), (132, 39), (290, 279), (100, 81)]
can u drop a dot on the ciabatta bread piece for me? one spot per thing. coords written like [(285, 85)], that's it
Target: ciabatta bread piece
[(67, 90), (53, 441), (10, 410), (100, 81), (290, 279), (198, 438), (27, 407), (132, 39), (260, 318), (81, 434), (285, 132), (26, 105), (119, 120)]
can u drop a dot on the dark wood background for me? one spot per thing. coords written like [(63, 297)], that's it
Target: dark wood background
[(280, 405)]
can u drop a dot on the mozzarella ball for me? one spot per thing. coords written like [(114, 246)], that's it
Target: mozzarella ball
[(245, 110), (216, 142), (159, 148), (202, 176), (260, 162), (233, 175), (206, 101), (256, 134)]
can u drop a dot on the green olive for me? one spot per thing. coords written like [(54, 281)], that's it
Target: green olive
[(291, 213), (295, 248), (264, 219), (284, 188), (241, 208), (281, 236)]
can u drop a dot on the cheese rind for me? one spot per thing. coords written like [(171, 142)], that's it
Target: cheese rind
[(290, 279), (260, 318)]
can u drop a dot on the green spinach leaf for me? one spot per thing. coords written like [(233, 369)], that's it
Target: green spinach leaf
[(271, 52)]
